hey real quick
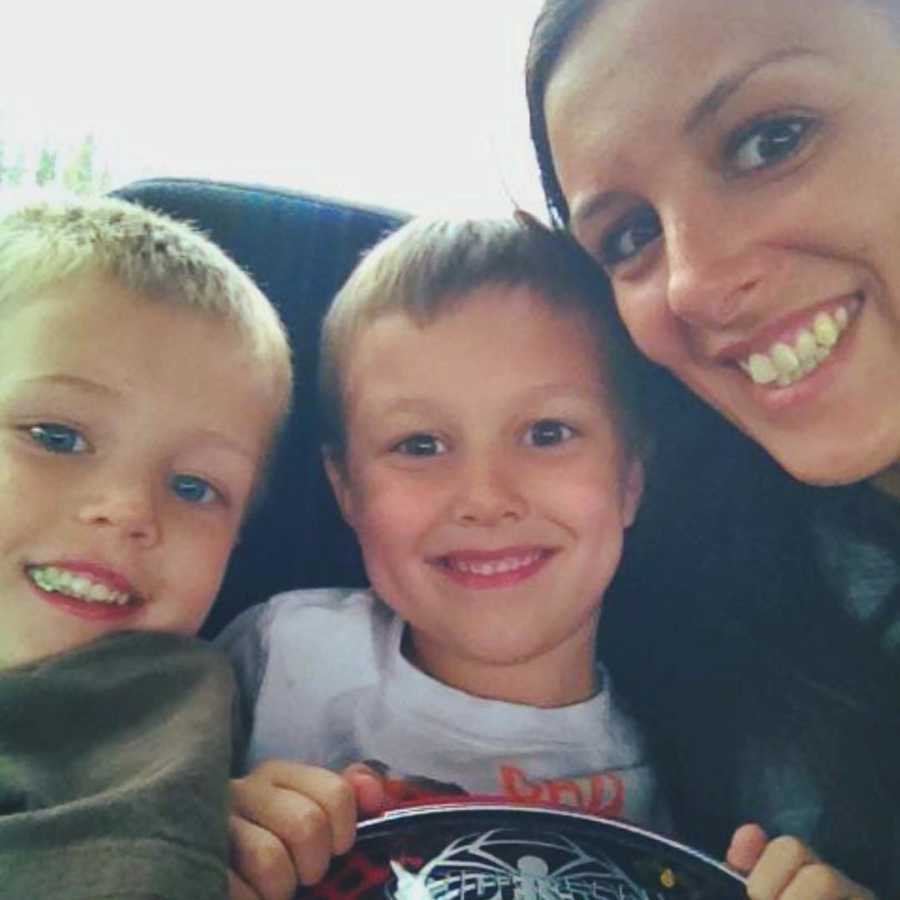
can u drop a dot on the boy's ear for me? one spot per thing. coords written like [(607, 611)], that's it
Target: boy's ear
[(337, 477), (632, 489)]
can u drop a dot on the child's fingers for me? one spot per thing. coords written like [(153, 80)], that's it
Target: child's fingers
[(311, 810), (368, 789), (262, 865), (238, 889), (746, 847), (789, 870), (326, 797)]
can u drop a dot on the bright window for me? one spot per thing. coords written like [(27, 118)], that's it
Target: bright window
[(411, 104)]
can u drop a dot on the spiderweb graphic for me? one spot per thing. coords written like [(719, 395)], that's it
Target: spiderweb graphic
[(501, 865)]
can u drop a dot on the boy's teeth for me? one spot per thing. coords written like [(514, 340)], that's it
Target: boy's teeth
[(785, 364), (493, 568), (61, 581)]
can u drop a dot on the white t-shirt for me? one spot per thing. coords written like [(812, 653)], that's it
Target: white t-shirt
[(327, 683)]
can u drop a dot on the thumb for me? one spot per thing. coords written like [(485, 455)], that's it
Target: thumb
[(368, 789), (746, 847)]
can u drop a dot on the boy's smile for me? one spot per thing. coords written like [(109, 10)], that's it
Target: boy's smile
[(131, 432), (499, 568), (486, 481), (86, 589)]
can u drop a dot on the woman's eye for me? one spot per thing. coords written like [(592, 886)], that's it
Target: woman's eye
[(766, 143), (420, 445), (630, 237), (547, 433), (193, 489), (57, 438)]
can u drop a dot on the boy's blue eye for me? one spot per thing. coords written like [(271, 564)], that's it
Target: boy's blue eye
[(548, 433), (629, 237), (766, 143), (420, 445), (58, 438), (193, 489)]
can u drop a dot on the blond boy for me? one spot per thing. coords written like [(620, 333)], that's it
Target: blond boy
[(142, 377)]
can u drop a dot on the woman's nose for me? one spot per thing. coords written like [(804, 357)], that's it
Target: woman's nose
[(486, 495), (129, 509), (713, 270)]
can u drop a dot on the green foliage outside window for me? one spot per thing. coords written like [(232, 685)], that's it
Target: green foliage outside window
[(77, 171)]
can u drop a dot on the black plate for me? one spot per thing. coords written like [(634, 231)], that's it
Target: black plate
[(467, 851)]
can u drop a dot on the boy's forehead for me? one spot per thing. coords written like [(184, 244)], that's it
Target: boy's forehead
[(95, 287), (73, 289), (505, 297), (476, 329), (93, 330)]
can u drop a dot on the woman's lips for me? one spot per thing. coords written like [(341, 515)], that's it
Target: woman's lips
[(494, 568)]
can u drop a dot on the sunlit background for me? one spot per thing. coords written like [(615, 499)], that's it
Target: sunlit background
[(415, 105)]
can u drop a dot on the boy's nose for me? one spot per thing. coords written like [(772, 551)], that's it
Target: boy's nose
[(130, 510), (713, 273), (487, 497)]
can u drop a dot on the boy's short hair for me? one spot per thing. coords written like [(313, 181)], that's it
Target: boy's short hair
[(429, 266), (155, 257)]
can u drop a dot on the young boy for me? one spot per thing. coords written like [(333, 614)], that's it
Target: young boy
[(142, 377), (481, 440)]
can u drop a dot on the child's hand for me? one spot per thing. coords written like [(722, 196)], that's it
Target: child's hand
[(786, 869), (288, 820)]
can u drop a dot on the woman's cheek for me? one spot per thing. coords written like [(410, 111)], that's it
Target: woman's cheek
[(653, 329)]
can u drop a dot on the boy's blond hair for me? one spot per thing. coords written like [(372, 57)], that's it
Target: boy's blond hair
[(430, 266), (152, 256)]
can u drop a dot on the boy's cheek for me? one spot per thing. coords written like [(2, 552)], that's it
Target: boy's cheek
[(194, 579), (390, 499), (394, 524)]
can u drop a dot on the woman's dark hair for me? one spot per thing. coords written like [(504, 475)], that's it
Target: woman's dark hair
[(557, 21)]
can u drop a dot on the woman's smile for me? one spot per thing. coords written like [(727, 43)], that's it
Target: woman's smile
[(796, 352)]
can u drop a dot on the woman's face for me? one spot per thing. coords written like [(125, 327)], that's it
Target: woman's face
[(735, 166)]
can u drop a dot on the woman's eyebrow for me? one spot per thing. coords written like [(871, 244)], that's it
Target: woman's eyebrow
[(726, 87), (592, 206)]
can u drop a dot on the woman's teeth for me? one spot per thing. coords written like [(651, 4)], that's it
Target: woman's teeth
[(81, 587), (785, 364)]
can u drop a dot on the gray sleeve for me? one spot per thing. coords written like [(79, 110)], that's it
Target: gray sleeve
[(246, 643), (115, 762)]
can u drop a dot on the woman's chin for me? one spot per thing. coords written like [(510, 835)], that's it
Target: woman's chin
[(834, 466)]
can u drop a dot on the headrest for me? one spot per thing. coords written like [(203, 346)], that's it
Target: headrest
[(300, 249)]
